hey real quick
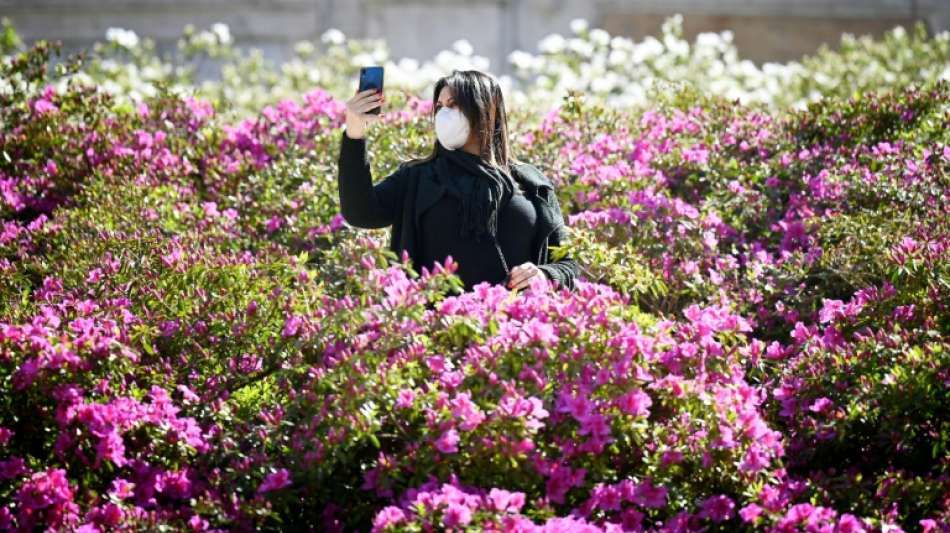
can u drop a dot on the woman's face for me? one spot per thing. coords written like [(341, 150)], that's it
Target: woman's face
[(447, 100)]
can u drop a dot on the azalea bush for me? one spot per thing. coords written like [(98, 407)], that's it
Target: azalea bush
[(192, 338)]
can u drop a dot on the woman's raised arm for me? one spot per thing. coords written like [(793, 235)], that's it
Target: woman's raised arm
[(363, 204)]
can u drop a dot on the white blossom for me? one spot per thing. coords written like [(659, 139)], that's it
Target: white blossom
[(521, 60), (333, 36), (463, 47), (599, 37), (122, 37), (222, 32), (578, 25), (552, 44)]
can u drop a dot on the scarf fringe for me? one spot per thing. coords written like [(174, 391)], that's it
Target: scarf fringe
[(480, 205)]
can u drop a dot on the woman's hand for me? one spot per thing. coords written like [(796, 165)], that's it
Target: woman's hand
[(357, 118), (522, 274)]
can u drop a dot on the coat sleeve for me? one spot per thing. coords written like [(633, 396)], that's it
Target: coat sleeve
[(565, 271), (363, 204)]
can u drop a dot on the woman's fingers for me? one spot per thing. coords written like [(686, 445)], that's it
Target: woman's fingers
[(358, 107), (369, 103), (521, 275), (362, 95), (523, 283), (365, 103), (363, 108), (368, 97)]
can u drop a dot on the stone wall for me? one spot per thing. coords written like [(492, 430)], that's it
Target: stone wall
[(775, 31)]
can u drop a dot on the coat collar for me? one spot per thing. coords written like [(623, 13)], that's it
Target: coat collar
[(430, 189), (531, 176)]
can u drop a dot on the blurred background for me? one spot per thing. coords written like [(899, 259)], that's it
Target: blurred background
[(243, 55), (764, 30)]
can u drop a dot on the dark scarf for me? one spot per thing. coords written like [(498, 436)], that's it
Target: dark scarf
[(482, 192)]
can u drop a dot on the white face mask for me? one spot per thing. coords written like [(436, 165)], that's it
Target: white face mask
[(451, 127)]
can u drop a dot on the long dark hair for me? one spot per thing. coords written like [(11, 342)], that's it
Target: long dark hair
[(478, 96)]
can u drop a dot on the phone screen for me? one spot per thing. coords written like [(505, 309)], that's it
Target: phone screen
[(371, 77)]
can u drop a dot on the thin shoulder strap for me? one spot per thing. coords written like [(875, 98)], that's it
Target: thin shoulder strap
[(501, 256), (494, 238)]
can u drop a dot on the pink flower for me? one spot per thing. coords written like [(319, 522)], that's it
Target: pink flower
[(831, 310), (274, 481), (405, 398), (464, 409), (111, 448), (448, 442), (388, 516), (636, 403), (337, 222), (718, 508), (631, 519), (196, 523), (671, 457), (579, 406), (456, 515), (648, 495), (848, 523), (542, 332), (210, 209), (696, 154), (273, 224), (775, 351), (754, 461), (121, 488), (175, 484), (187, 393), (43, 106), (506, 501), (12, 467), (109, 514), (607, 497), (594, 424), (820, 405), (562, 479), (291, 326), (45, 489), (750, 512)]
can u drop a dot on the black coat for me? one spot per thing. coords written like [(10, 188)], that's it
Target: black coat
[(400, 198)]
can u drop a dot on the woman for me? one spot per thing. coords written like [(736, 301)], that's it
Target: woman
[(470, 198)]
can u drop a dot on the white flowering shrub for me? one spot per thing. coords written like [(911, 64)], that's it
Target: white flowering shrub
[(618, 70), (623, 71)]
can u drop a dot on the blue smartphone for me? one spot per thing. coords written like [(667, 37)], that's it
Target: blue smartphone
[(371, 78)]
